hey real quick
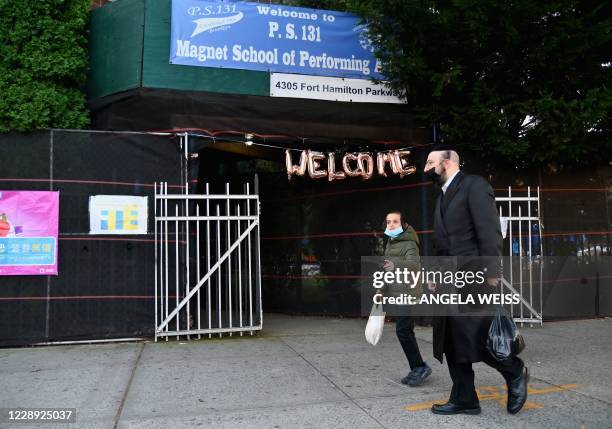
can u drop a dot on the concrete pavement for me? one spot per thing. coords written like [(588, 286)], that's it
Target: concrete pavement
[(305, 372)]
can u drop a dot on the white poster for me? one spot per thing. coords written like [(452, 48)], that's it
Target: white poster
[(118, 214), (331, 89)]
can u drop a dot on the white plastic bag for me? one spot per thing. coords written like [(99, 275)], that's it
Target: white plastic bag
[(376, 322)]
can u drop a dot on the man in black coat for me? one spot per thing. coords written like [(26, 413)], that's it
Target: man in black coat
[(466, 226)]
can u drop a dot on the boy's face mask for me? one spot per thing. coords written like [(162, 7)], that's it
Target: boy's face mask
[(394, 233)]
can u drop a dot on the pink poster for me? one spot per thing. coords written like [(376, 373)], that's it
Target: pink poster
[(28, 232)]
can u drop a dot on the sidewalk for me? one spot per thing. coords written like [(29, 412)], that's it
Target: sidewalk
[(305, 372)]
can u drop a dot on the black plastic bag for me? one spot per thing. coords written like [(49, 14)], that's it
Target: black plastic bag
[(504, 339)]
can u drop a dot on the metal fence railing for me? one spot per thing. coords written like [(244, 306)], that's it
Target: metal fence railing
[(207, 270)]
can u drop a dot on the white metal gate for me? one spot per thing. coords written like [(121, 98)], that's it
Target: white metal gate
[(523, 263), (207, 263)]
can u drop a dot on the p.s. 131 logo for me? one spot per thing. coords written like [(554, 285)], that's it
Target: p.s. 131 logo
[(214, 17)]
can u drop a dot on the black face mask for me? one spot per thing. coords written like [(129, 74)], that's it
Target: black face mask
[(434, 177)]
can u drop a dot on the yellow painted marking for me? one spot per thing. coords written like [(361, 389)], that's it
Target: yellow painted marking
[(498, 393)]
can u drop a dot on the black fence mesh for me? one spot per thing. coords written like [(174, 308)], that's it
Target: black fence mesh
[(104, 287), (313, 232)]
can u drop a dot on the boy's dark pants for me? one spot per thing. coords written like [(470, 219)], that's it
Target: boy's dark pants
[(404, 328)]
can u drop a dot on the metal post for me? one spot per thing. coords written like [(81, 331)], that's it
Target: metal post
[(541, 254), (229, 260), (186, 157), (48, 295), (248, 192), (502, 268), (166, 245), (520, 233), (198, 264), (257, 249), (155, 243), (258, 268), (176, 265), (511, 242), (208, 302), (187, 263), (239, 274), (219, 270), (530, 250)]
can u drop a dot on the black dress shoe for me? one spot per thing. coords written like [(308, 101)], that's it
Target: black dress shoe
[(448, 409), (517, 392)]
